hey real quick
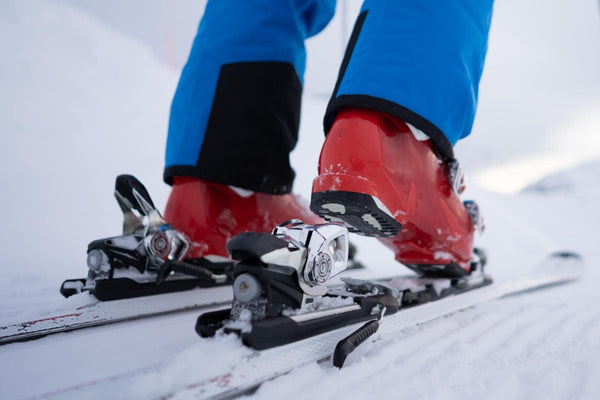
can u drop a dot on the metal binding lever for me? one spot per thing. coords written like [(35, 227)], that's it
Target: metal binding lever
[(141, 216), (326, 252)]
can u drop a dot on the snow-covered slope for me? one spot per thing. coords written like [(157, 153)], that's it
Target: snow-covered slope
[(81, 103)]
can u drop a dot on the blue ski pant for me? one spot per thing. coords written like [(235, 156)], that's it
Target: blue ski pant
[(235, 114)]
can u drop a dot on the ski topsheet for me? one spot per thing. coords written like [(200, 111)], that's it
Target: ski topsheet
[(101, 313), (241, 370)]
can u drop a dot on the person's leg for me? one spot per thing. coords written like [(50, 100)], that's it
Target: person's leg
[(412, 62), (235, 117), (235, 114), (418, 60)]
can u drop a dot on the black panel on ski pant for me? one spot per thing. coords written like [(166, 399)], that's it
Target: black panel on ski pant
[(252, 128)]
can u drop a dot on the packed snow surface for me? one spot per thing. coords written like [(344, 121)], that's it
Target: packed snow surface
[(82, 102)]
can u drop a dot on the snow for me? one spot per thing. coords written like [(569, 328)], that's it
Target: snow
[(82, 102)]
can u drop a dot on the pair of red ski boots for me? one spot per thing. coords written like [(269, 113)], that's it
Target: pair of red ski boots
[(375, 176)]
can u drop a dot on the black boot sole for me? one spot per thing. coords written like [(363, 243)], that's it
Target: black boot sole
[(359, 212)]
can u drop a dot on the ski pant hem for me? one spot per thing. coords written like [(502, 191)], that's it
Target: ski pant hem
[(439, 140), (258, 183)]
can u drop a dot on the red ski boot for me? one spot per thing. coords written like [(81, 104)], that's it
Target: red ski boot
[(378, 179), (210, 213)]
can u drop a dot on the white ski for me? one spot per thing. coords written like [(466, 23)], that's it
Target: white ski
[(244, 374)]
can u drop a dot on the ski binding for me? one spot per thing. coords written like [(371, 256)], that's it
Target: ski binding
[(148, 258), (281, 291)]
